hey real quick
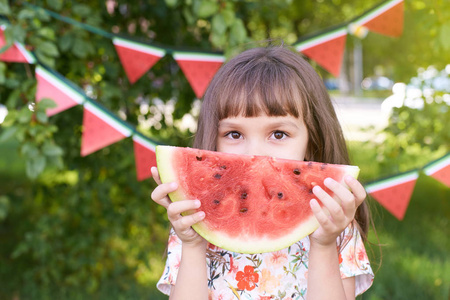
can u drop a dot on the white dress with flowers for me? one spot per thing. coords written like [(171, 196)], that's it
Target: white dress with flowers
[(276, 275)]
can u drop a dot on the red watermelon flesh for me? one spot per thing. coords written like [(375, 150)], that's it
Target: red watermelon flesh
[(253, 204)]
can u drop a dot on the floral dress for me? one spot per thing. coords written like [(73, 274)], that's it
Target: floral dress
[(276, 275)]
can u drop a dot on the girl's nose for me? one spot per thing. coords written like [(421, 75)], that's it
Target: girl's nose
[(256, 148)]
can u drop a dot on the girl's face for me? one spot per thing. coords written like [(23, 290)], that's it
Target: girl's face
[(282, 137)]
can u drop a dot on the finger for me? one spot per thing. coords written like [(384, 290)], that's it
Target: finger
[(320, 215), (344, 195), (185, 222), (357, 188), (155, 175), (159, 194), (176, 208), (333, 207)]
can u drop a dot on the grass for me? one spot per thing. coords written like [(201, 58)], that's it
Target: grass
[(414, 253)]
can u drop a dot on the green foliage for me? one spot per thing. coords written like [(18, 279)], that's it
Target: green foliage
[(415, 135)]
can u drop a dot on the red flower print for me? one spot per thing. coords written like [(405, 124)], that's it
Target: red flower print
[(247, 280), (340, 259), (362, 255)]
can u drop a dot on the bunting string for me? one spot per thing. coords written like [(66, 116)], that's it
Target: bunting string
[(102, 128)]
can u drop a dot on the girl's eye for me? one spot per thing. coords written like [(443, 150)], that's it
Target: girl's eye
[(279, 135), (234, 135)]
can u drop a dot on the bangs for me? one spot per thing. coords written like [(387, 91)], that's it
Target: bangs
[(259, 87)]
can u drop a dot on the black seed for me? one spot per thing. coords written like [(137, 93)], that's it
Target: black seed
[(199, 158), (297, 172), (218, 176), (217, 202), (244, 210), (280, 195), (310, 191), (223, 167), (244, 196)]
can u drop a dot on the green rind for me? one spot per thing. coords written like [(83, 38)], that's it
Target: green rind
[(165, 164)]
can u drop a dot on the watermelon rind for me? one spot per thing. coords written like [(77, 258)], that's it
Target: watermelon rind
[(164, 157)]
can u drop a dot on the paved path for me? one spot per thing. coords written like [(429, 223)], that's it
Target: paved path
[(360, 118)]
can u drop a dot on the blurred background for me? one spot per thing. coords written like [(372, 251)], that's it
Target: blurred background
[(78, 227)]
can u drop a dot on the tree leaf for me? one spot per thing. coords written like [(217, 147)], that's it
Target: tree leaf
[(445, 36), (8, 133), (50, 149), (55, 4), (66, 42), (171, 3), (48, 48), (238, 32), (4, 207), (35, 166), (45, 103), (41, 116), (4, 8), (207, 8), (218, 24)]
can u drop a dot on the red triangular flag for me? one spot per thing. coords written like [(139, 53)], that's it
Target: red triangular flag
[(199, 69), (136, 58), (386, 19), (394, 193), (326, 49), (145, 157), (49, 85), (100, 129), (15, 53), (440, 169)]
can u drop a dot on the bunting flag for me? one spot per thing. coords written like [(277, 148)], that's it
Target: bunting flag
[(385, 19), (327, 49), (199, 69), (144, 155), (54, 86), (439, 169), (136, 58), (16, 52), (394, 193), (101, 128)]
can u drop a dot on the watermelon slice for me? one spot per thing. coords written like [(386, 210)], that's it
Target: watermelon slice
[(253, 204)]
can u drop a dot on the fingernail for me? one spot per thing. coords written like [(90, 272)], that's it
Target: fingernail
[(316, 188), (328, 181), (174, 185), (201, 214), (197, 203), (349, 178)]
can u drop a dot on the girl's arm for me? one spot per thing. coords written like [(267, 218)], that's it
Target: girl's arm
[(324, 278), (191, 280)]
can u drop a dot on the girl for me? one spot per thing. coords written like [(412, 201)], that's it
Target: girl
[(269, 101)]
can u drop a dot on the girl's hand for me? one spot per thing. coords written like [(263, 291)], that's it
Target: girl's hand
[(181, 224), (341, 209)]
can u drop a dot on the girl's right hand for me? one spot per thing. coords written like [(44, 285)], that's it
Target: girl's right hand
[(181, 224)]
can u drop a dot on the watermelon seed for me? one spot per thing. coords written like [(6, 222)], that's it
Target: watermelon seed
[(218, 176), (244, 196), (244, 210), (223, 167), (323, 166), (216, 202), (280, 195), (297, 172), (199, 158)]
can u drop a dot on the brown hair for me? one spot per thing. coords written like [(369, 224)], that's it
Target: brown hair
[(276, 81)]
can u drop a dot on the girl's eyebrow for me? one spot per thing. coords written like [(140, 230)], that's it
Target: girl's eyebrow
[(288, 123)]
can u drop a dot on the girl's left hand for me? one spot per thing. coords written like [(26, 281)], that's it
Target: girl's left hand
[(341, 209)]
